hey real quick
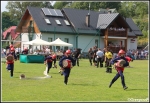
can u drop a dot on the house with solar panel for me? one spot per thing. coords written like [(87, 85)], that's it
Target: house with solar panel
[(82, 28)]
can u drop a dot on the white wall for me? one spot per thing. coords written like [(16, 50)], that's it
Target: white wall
[(84, 41), (25, 38), (131, 45)]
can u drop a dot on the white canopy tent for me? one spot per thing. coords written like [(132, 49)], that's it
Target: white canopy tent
[(37, 42), (59, 42)]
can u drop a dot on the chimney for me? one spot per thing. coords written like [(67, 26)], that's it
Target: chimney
[(87, 20)]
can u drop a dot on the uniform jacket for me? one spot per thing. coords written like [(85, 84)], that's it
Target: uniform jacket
[(12, 61), (118, 58), (65, 57)]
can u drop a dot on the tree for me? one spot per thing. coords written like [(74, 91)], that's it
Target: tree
[(17, 9), (96, 5), (60, 5), (7, 21)]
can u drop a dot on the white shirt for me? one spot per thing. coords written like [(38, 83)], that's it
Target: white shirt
[(99, 54)]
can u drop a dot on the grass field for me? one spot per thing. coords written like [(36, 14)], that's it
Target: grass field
[(86, 83)]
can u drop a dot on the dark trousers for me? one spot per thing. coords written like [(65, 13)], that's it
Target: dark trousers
[(77, 61), (66, 74), (99, 61), (90, 60), (108, 66), (11, 68), (49, 66), (119, 74)]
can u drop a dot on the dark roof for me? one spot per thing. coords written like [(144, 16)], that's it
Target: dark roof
[(134, 27), (131, 33), (78, 18), (105, 19), (39, 17)]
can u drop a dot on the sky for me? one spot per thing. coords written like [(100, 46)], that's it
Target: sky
[(4, 3)]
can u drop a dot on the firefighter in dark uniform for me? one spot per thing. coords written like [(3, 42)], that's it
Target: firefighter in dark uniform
[(48, 62), (77, 56), (108, 57), (94, 55), (90, 55), (121, 55), (67, 69)]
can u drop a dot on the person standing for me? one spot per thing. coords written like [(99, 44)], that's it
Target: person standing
[(48, 62), (108, 57), (66, 68), (10, 62), (94, 55), (120, 69), (100, 56), (90, 55), (77, 56), (104, 50)]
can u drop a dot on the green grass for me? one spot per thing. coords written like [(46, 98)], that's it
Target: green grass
[(86, 83)]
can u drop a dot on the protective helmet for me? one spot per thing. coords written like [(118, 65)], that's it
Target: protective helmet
[(11, 46), (68, 51), (121, 52), (12, 49), (54, 56)]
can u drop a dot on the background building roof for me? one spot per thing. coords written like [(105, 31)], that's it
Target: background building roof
[(134, 27)]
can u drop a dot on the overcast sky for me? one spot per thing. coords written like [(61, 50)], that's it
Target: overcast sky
[(4, 3)]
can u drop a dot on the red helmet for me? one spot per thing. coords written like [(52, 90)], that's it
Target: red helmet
[(121, 51), (54, 56), (11, 46), (68, 51), (12, 49)]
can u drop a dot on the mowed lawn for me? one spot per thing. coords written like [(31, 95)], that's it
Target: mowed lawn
[(86, 83)]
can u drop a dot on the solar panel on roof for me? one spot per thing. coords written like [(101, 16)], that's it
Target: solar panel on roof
[(45, 11), (53, 13), (59, 12)]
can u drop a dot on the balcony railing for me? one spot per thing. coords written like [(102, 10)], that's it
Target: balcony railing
[(118, 33)]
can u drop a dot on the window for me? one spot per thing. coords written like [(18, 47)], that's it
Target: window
[(67, 41), (58, 22), (50, 40), (31, 23), (47, 21), (58, 47), (96, 42), (66, 22)]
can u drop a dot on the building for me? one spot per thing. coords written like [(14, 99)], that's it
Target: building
[(82, 28), (10, 35)]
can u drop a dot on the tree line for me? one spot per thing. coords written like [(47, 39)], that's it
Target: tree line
[(138, 11)]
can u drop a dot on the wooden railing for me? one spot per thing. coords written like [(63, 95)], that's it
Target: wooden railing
[(117, 33)]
